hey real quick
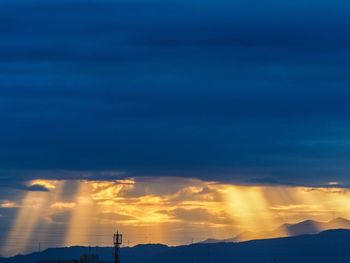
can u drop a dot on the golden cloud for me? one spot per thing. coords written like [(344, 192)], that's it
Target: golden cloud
[(63, 205)]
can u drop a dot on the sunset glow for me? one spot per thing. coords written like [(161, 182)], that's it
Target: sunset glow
[(190, 210)]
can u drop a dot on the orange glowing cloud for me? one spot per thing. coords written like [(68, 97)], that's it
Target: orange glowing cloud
[(48, 184), (7, 204), (63, 205)]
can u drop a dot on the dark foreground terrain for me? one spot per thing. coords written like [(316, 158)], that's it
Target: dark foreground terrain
[(328, 246)]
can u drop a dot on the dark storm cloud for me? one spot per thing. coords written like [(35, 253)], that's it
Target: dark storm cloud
[(223, 91), (18, 182)]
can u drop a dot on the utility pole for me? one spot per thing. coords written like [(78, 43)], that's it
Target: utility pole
[(117, 240)]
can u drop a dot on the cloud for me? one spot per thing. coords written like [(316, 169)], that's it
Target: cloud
[(35, 188), (228, 92), (200, 215), (62, 217), (115, 218), (21, 184), (7, 204), (267, 181), (63, 205)]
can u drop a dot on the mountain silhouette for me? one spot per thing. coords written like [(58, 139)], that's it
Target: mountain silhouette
[(301, 228), (328, 246)]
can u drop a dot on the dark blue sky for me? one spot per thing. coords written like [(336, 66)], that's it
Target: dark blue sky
[(248, 91)]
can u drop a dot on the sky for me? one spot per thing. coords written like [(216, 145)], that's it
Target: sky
[(135, 101)]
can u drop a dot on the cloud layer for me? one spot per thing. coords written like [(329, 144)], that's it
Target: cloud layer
[(221, 91)]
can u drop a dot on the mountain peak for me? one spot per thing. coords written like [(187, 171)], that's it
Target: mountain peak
[(301, 228), (307, 222)]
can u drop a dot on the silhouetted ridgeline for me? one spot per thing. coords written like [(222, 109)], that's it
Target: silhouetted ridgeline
[(328, 246), (301, 228)]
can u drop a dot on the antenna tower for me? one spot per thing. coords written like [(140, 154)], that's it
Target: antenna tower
[(117, 240)]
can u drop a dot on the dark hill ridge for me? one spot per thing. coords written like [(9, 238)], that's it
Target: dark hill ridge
[(301, 228), (328, 246), (314, 227), (132, 254)]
